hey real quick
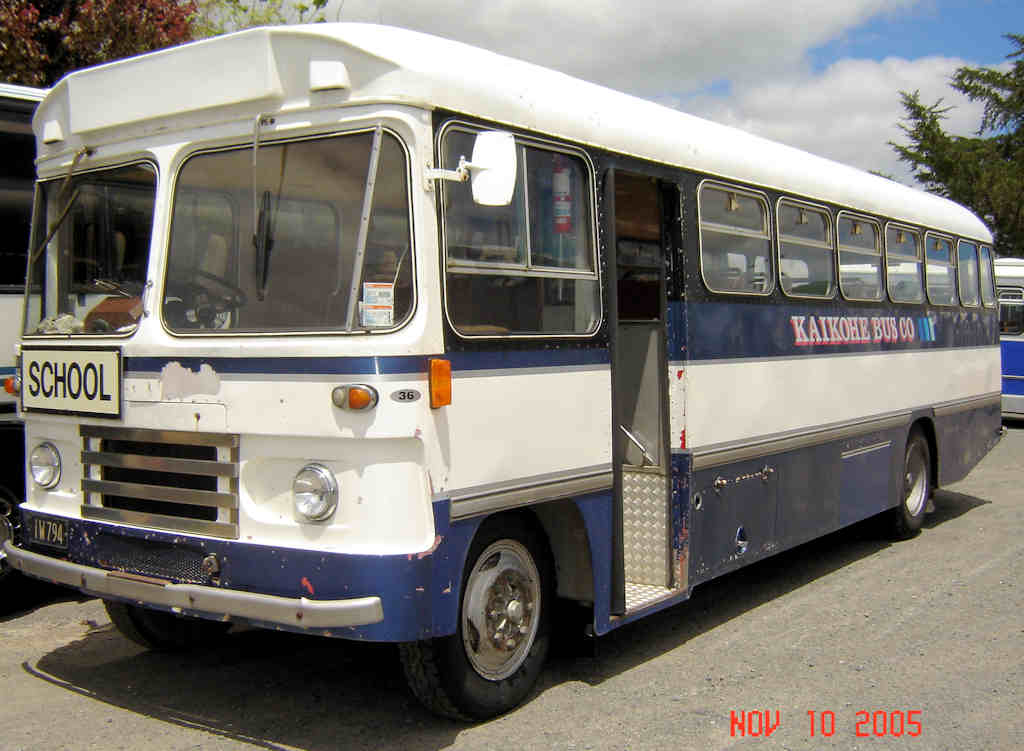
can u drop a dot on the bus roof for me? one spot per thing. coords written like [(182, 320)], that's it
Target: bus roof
[(276, 69)]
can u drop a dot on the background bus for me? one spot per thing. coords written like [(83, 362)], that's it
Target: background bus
[(17, 180), (1010, 284)]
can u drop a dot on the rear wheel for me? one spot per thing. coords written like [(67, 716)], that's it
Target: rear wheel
[(165, 632), (495, 656), (917, 486)]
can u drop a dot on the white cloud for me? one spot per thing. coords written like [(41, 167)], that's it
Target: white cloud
[(672, 52)]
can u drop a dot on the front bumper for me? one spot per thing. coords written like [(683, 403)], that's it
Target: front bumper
[(295, 612)]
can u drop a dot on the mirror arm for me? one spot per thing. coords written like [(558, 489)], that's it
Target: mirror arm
[(458, 175)]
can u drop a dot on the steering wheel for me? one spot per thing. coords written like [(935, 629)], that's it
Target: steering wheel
[(209, 303)]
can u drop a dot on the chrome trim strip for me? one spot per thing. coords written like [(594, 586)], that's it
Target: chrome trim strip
[(228, 531), (1013, 377), (297, 612), (714, 457), (962, 405), (473, 502), (203, 467), (866, 449), (207, 498), (159, 436)]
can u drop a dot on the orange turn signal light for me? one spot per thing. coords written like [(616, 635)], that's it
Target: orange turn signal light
[(440, 383), (356, 397), (12, 385)]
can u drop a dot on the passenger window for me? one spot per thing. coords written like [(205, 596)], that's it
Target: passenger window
[(967, 263), (903, 265), (988, 287), (1011, 313), (735, 249), (525, 268), (806, 258), (860, 260), (940, 270)]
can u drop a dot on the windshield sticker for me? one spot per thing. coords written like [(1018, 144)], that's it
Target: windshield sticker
[(377, 309)]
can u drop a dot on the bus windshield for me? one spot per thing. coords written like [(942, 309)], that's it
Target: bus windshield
[(88, 278), (303, 236)]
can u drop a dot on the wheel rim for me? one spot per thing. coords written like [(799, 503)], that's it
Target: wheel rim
[(915, 479), (501, 609)]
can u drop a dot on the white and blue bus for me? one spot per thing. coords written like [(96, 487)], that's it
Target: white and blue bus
[(354, 331), (1010, 287), (17, 181)]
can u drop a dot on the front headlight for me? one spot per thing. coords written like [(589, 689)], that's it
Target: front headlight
[(44, 462), (315, 492)]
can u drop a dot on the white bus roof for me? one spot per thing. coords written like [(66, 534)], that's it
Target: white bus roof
[(273, 69)]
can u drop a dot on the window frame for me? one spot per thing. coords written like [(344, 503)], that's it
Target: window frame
[(991, 276), (181, 159), (918, 259), (527, 270), (770, 255), (959, 280), (956, 274), (830, 244), (883, 290)]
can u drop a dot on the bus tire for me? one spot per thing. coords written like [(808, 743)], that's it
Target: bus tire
[(916, 487), (490, 664), (160, 631)]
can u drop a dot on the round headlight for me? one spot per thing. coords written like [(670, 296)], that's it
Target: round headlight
[(44, 463), (315, 492)]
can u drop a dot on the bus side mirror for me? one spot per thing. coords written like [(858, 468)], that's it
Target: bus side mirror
[(493, 168)]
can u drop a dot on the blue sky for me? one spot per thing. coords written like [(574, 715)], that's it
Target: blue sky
[(821, 75)]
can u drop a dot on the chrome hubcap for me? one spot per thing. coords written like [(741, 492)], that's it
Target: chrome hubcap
[(915, 480), (501, 610)]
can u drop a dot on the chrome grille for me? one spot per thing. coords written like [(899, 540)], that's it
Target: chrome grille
[(162, 479)]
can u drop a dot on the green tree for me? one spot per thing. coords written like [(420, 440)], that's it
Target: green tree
[(221, 16), (984, 172), (41, 40)]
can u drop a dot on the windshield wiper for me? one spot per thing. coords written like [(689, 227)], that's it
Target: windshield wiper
[(110, 285), (263, 242), (84, 151)]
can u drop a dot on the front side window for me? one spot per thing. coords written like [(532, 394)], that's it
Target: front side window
[(527, 268), (735, 247), (806, 262), (988, 287), (295, 243), (90, 252), (903, 265), (967, 265), (860, 260), (940, 268), (18, 149)]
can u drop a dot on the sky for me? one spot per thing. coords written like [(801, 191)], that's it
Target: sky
[(820, 75)]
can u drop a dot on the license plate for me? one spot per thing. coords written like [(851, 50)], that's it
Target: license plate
[(52, 532)]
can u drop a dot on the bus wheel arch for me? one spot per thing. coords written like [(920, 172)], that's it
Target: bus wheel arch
[(491, 662)]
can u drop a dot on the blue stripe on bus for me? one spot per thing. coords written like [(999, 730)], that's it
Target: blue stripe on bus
[(1013, 360), (397, 365), (719, 330), (4, 372)]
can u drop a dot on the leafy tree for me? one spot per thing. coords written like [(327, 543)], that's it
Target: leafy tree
[(41, 40), (221, 16), (984, 172)]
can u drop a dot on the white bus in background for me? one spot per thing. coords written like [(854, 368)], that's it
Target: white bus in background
[(355, 331), (1010, 285), (17, 184)]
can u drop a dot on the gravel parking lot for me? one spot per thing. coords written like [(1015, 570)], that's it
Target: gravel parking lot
[(918, 644)]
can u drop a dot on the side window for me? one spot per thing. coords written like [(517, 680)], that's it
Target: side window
[(806, 258), (735, 249), (940, 269), (988, 287), (967, 265), (1011, 310), (529, 267), (903, 264), (860, 259)]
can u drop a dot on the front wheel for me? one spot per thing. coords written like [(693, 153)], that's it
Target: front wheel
[(917, 487), (496, 654), (164, 632)]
